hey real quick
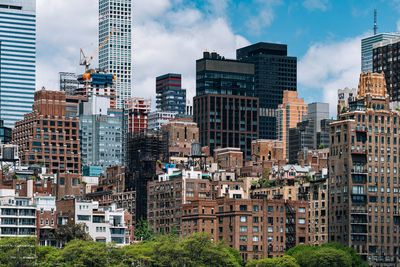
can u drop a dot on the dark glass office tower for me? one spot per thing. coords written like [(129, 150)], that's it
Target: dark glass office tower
[(274, 73), (170, 95), (225, 108)]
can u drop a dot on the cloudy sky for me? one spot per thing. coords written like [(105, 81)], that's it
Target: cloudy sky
[(169, 35)]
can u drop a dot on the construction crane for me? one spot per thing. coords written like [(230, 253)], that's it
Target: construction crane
[(85, 61)]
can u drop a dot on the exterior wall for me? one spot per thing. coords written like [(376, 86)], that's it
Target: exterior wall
[(46, 136), (46, 219), (258, 228), (290, 112), (157, 119), (228, 158), (18, 85), (136, 113), (127, 201), (170, 95), (68, 184), (269, 85), (117, 60), (318, 212), (267, 150)]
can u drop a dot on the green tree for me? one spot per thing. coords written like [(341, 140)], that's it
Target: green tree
[(85, 253), (356, 260), (138, 255), (17, 251), (143, 231), (285, 261), (71, 231), (330, 257)]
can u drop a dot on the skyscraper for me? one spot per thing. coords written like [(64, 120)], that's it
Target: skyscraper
[(366, 48), (274, 73), (225, 108), (115, 56), (68, 82), (170, 95), (18, 59), (289, 113), (385, 60)]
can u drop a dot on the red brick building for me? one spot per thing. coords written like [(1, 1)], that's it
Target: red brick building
[(48, 136), (258, 228)]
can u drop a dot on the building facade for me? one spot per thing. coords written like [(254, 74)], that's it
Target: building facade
[(68, 82), (289, 113), (170, 95), (225, 108), (363, 180), (274, 73), (367, 47), (116, 55), (385, 60), (46, 136), (136, 113), (18, 59), (157, 119)]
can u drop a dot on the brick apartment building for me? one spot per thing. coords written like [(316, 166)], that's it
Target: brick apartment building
[(48, 136), (258, 227), (363, 175)]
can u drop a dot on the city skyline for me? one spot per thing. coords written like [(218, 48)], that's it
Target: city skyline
[(163, 43)]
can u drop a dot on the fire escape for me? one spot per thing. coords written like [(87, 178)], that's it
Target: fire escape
[(290, 225)]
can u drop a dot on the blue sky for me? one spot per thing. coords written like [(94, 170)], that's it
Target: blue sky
[(169, 35)]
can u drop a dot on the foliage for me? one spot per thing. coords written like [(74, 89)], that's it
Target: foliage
[(344, 110), (17, 251), (71, 231), (321, 146), (285, 261), (143, 231), (328, 255)]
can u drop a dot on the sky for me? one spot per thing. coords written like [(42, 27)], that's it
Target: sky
[(169, 35)]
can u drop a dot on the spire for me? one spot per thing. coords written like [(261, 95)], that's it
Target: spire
[(375, 26)]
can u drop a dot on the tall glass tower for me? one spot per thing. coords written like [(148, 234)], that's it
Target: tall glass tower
[(17, 59), (115, 56)]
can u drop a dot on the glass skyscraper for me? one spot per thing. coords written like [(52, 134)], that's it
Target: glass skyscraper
[(17, 59), (366, 48), (115, 56)]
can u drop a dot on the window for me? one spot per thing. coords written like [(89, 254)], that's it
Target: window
[(302, 210), (270, 209), (243, 229), (243, 238), (255, 238), (243, 219), (270, 229), (302, 221), (243, 207), (255, 229)]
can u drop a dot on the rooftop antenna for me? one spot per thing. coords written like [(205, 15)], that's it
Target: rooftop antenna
[(375, 26)]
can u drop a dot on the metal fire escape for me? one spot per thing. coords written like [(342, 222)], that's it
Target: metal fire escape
[(290, 225)]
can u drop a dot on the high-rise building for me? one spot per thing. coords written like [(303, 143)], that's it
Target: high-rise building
[(100, 134), (225, 108), (367, 46), (18, 59), (157, 119), (386, 60), (5, 133), (99, 83), (274, 73), (47, 136), (68, 82), (116, 55), (170, 95), (289, 113), (136, 112), (363, 175)]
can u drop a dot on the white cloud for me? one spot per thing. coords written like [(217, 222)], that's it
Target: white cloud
[(316, 4), (328, 67), (167, 37), (265, 16)]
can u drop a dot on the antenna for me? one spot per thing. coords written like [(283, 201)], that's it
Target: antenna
[(375, 26)]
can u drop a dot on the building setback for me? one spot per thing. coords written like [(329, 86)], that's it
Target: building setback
[(116, 55), (170, 95), (274, 73), (136, 113), (363, 175), (18, 59), (47, 136), (225, 108)]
